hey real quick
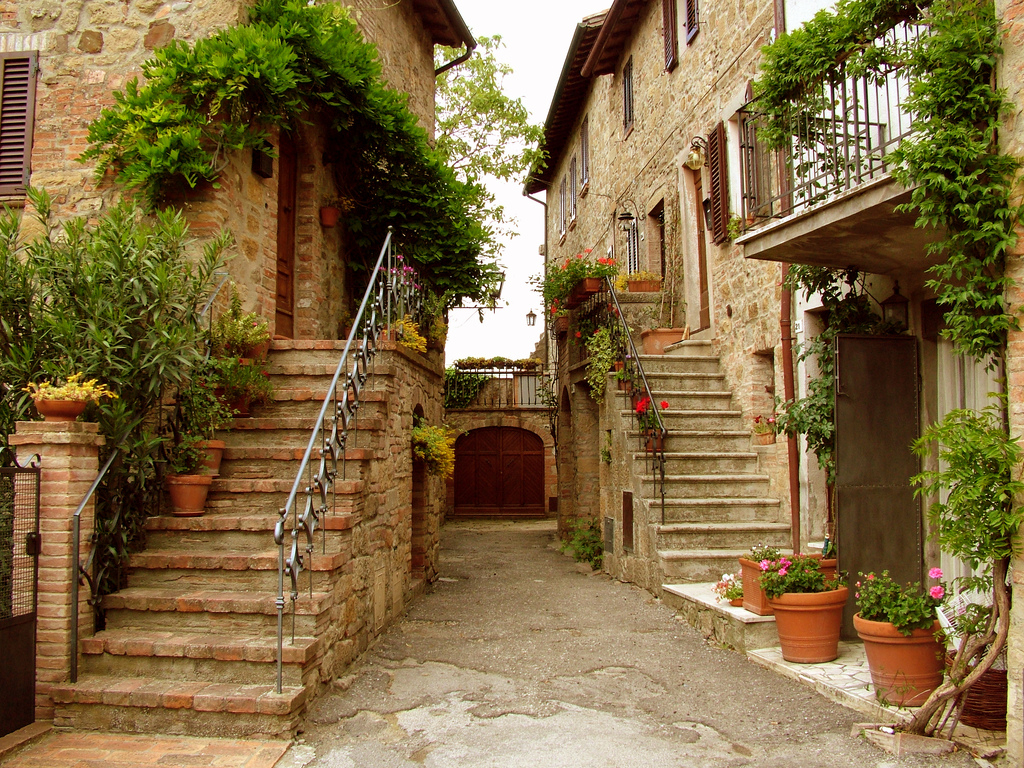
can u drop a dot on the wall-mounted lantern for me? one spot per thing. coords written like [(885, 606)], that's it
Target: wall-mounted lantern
[(531, 318), (896, 307), (698, 153)]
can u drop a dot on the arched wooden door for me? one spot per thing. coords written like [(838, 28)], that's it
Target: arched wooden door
[(499, 471)]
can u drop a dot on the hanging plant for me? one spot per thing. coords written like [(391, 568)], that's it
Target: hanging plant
[(435, 445)]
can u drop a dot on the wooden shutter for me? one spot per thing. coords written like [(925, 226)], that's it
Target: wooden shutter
[(627, 95), (719, 184), (17, 101), (668, 16), (692, 17)]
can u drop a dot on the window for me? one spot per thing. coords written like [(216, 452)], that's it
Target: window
[(719, 172), (627, 95), (633, 247), (668, 18), (585, 153), (561, 207), (17, 102), (692, 20), (573, 191)]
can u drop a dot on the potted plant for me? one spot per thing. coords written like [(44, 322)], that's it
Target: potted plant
[(639, 282), (900, 630), (67, 401), (764, 429), (188, 482), (239, 334), (601, 353), (435, 446), (729, 588), (808, 608), (754, 598), (648, 422), (201, 413), (330, 213), (563, 286), (240, 386)]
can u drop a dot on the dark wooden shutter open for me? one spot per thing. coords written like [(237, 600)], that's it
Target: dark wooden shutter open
[(668, 16), (692, 18), (17, 100), (719, 184)]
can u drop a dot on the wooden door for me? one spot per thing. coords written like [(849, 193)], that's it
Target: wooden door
[(284, 325), (704, 317), (499, 471)]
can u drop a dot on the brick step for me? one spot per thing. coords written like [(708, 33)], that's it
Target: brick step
[(694, 400), (232, 570), (718, 510), (738, 462), (724, 535), (678, 363), (216, 611), (292, 433), (307, 402), (696, 565), (176, 707), (319, 352), (184, 656), (252, 462), (270, 495), (231, 531), (709, 486)]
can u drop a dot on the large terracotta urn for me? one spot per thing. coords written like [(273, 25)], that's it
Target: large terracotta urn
[(905, 669), (809, 624)]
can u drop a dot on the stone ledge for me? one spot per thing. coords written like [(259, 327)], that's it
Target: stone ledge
[(732, 627)]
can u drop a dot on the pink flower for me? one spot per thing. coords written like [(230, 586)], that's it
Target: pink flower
[(858, 584), (782, 571), (935, 573), (937, 592), (765, 565), (871, 577)]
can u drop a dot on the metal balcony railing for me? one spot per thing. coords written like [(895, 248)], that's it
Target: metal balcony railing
[(496, 389), (844, 144)]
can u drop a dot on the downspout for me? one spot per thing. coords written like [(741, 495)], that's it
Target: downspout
[(789, 394), (544, 310), (460, 31), (455, 62)]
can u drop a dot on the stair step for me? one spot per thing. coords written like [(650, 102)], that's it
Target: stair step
[(705, 486), (719, 510), (209, 601), (160, 568), (229, 531), (723, 535), (696, 565)]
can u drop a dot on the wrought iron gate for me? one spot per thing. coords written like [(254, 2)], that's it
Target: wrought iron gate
[(19, 570)]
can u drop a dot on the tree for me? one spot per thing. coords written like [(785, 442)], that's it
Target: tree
[(480, 129)]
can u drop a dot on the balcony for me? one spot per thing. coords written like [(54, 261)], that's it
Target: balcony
[(828, 199), (496, 388)]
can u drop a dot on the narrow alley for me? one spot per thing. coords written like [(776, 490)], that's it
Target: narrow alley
[(520, 657)]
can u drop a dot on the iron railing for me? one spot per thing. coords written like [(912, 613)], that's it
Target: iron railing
[(845, 143), (495, 388), (393, 292)]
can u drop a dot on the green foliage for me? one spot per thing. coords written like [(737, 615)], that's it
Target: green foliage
[(293, 59), (602, 352), (462, 387), (115, 302), (238, 382), (799, 574), (559, 281), (435, 445), (978, 460), (586, 542), (879, 598), (236, 333), (760, 552), (200, 412), (185, 455)]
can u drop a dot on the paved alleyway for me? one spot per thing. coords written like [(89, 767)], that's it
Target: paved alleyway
[(520, 657)]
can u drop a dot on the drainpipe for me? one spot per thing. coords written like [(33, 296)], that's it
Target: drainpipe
[(461, 31), (789, 394), (543, 309), (455, 62)]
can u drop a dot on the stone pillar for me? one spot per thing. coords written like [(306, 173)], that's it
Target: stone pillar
[(68, 453)]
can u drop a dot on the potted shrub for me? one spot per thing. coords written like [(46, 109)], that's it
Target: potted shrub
[(754, 598), (563, 286), (188, 482), (241, 386), (239, 334), (201, 413), (729, 588), (900, 630), (808, 608), (764, 429), (435, 446), (67, 401)]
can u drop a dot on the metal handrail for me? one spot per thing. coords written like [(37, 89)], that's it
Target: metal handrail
[(396, 296)]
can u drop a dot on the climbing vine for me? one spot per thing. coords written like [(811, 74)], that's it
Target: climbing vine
[(294, 60)]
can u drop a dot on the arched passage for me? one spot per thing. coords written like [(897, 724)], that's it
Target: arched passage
[(499, 471)]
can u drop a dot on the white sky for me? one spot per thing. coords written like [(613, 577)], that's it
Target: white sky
[(536, 35)]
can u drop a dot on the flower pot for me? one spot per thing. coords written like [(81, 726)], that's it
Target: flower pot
[(188, 494), (562, 324), (809, 624), (754, 598), (764, 438), (905, 669), (60, 410), (588, 286), (655, 443), (643, 286), (214, 453), (329, 216), (655, 340), (736, 602)]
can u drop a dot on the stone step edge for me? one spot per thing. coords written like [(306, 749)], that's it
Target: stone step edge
[(143, 643), (736, 478), (171, 559), (258, 453), (298, 423), (214, 601), (736, 501), (739, 526), (199, 696), (211, 523), (702, 554), (277, 485)]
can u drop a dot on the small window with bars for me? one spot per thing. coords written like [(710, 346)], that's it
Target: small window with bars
[(17, 108), (668, 17), (627, 95)]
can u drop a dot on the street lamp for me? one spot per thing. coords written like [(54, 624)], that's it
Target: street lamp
[(895, 308), (531, 318)]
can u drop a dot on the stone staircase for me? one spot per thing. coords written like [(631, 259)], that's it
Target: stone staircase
[(190, 645), (717, 502)]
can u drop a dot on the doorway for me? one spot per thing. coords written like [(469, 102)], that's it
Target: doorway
[(499, 472), (284, 316)]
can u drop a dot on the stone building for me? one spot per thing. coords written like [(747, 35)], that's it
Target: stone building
[(216, 575)]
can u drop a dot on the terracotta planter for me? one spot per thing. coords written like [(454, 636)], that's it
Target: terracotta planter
[(754, 598), (60, 410), (655, 340), (588, 286), (764, 438), (329, 216), (188, 494), (736, 602), (809, 624), (214, 453), (643, 286), (562, 324), (905, 669), (655, 443)]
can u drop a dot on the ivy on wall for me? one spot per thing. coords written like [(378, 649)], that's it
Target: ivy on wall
[(295, 62)]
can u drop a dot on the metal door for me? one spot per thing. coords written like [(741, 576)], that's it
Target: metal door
[(19, 570), (499, 471), (878, 517)]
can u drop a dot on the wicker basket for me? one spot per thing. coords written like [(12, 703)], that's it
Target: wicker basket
[(985, 706)]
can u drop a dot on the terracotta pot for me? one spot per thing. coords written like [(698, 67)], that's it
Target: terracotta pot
[(809, 624), (655, 340), (562, 324), (736, 602), (588, 286), (188, 494), (754, 598), (329, 216), (60, 410), (764, 438), (214, 453), (905, 669), (643, 286), (655, 443)]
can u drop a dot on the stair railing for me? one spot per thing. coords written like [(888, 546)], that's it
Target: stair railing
[(393, 292)]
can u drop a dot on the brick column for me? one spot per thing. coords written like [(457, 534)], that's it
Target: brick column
[(68, 453)]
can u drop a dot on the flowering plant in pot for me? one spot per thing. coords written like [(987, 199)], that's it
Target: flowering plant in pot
[(901, 633), (559, 281), (188, 481), (754, 598), (239, 334), (764, 429), (67, 401), (808, 607), (201, 413), (647, 419), (240, 386), (729, 588)]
